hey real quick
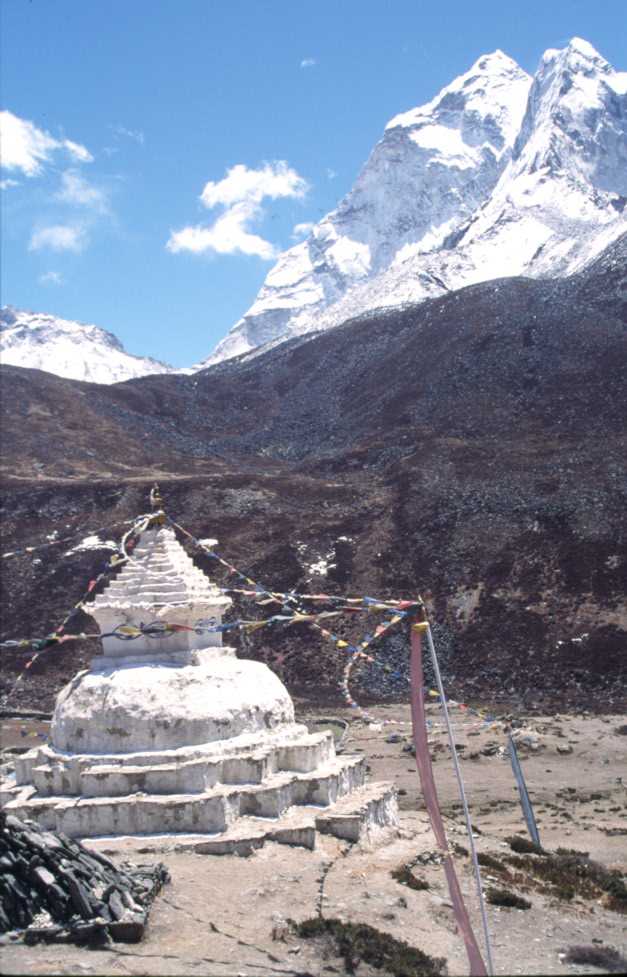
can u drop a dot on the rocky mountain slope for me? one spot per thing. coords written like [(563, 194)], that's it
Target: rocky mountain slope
[(69, 349), (470, 447), (499, 175)]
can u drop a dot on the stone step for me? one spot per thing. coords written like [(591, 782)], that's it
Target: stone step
[(365, 816), (9, 791), (211, 811), (162, 565), (193, 776), (360, 816), (141, 578), (153, 595), (373, 808), (293, 734)]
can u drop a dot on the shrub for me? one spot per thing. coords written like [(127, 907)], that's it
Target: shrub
[(358, 941), (405, 876), (523, 845), (503, 897), (604, 957), (573, 873), (489, 861)]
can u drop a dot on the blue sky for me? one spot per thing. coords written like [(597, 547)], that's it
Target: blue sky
[(138, 107)]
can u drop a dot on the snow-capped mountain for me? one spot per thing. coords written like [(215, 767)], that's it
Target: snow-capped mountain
[(69, 349), (500, 174)]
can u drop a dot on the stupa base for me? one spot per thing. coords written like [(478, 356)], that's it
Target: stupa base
[(205, 789), (368, 816)]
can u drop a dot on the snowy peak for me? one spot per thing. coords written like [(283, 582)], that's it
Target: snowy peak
[(578, 55), (41, 327), (494, 92), (426, 177), (69, 349), (576, 119), (453, 149), (498, 175)]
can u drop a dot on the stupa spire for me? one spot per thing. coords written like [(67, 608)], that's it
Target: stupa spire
[(157, 506), (159, 582)]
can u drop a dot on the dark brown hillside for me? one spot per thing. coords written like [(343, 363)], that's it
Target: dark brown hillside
[(471, 448)]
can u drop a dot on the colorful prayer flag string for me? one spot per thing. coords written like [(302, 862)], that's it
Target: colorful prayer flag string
[(65, 539), (291, 604), (40, 645)]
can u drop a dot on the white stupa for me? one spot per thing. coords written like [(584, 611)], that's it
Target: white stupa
[(175, 734)]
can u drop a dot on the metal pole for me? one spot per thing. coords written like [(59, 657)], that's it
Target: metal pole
[(525, 800), (462, 794)]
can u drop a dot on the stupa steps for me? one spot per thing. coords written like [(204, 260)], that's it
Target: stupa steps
[(159, 591), (159, 580), (193, 775), (165, 565), (129, 587), (162, 560), (170, 570), (361, 816), (142, 573), (155, 570), (144, 594), (141, 579), (166, 562), (294, 737), (212, 811), (155, 587)]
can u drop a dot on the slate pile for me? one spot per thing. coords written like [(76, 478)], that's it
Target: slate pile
[(54, 890)]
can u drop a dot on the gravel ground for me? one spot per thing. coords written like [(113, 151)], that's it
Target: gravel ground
[(224, 915)]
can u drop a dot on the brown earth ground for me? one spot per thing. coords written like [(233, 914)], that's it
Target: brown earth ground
[(225, 916)]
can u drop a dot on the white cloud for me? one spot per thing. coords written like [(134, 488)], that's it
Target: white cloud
[(308, 63), (136, 134), (228, 235), (75, 189), (27, 148), (51, 278), (331, 174), (241, 184), (58, 237), (7, 184), (24, 146), (302, 230), (77, 151), (240, 193)]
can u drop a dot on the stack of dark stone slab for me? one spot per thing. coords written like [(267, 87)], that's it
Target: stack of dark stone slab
[(53, 890)]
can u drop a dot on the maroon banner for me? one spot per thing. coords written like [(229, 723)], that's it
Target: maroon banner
[(425, 772)]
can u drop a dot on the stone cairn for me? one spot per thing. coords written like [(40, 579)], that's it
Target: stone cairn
[(53, 890), (176, 736)]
